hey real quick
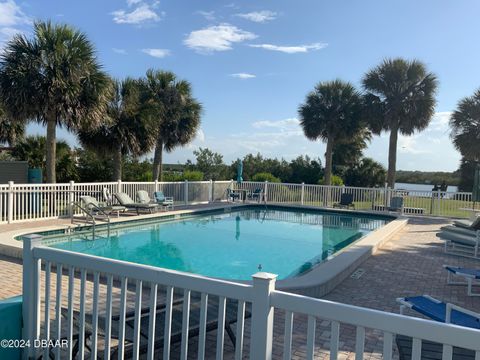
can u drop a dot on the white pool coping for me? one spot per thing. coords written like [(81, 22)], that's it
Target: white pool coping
[(317, 282)]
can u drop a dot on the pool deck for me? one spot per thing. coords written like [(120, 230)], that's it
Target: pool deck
[(409, 264)]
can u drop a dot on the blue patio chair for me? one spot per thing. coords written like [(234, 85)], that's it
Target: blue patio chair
[(440, 311), (256, 195), (161, 199), (232, 195), (470, 276)]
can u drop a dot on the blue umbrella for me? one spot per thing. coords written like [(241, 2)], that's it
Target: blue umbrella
[(239, 171)]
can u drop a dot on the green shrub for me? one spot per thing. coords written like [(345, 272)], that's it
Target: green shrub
[(336, 181), (264, 176), (189, 175)]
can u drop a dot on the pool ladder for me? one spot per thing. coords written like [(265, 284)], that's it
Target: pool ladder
[(90, 216)]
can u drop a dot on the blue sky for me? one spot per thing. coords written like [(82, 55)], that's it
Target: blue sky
[(251, 63)]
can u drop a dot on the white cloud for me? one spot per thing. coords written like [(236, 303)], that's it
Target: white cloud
[(243, 76), (12, 15), (291, 49), (157, 53), (216, 38), (119, 51), (133, 2), (12, 21), (286, 124), (440, 121), (259, 16), (143, 13), (209, 15), (200, 136)]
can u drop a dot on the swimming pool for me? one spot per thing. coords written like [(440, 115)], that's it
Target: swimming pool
[(233, 244)]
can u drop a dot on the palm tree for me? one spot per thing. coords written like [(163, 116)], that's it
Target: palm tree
[(177, 113), (332, 113), (53, 78), (400, 98), (128, 130), (465, 124), (10, 131), (33, 150)]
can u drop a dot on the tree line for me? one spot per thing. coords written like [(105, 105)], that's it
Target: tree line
[(53, 78)]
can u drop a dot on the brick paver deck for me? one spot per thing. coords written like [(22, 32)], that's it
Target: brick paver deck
[(410, 264)]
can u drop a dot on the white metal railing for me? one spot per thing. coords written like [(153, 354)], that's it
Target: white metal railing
[(96, 293), (26, 202)]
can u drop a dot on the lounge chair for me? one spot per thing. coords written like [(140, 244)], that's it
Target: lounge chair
[(459, 230), (470, 275), (466, 224), (127, 201), (346, 201), (256, 195), (460, 244), (165, 201), (396, 204), (441, 312), (94, 207), (176, 324), (429, 350)]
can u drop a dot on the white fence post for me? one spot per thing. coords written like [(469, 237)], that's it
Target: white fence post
[(210, 191), (186, 192), (262, 316), (265, 191), (10, 201), (31, 294), (71, 198), (119, 186), (303, 193), (386, 200), (156, 185)]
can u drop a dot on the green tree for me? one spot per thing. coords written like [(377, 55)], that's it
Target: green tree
[(92, 167), (209, 163), (465, 124), (304, 169), (331, 113), (349, 151), (467, 171), (10, 131), (176, 113), (400, 98), (33, 150), (53, 78), (128, 130), (366, 173), (265, 176)]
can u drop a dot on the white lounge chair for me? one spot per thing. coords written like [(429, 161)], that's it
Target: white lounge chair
[(461, 244)]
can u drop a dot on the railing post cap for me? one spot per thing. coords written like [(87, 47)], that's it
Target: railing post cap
[(264, 276)]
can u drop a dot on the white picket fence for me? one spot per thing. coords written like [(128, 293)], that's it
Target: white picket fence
[(27, 202), (162, 299)]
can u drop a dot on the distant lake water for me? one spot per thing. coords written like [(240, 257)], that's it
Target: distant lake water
[(422, 187)]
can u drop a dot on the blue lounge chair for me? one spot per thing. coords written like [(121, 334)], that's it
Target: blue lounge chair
[(440, 311), (470, 276), (346, 201)]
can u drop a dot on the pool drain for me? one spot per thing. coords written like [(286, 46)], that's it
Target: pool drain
[(357, 273)]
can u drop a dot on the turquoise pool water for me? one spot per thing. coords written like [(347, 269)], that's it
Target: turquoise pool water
[(232, 245)]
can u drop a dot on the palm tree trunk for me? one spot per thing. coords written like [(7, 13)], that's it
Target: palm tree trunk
[(158, 161), (117, 164), (328, 161), (51, 150), (392, 157)]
